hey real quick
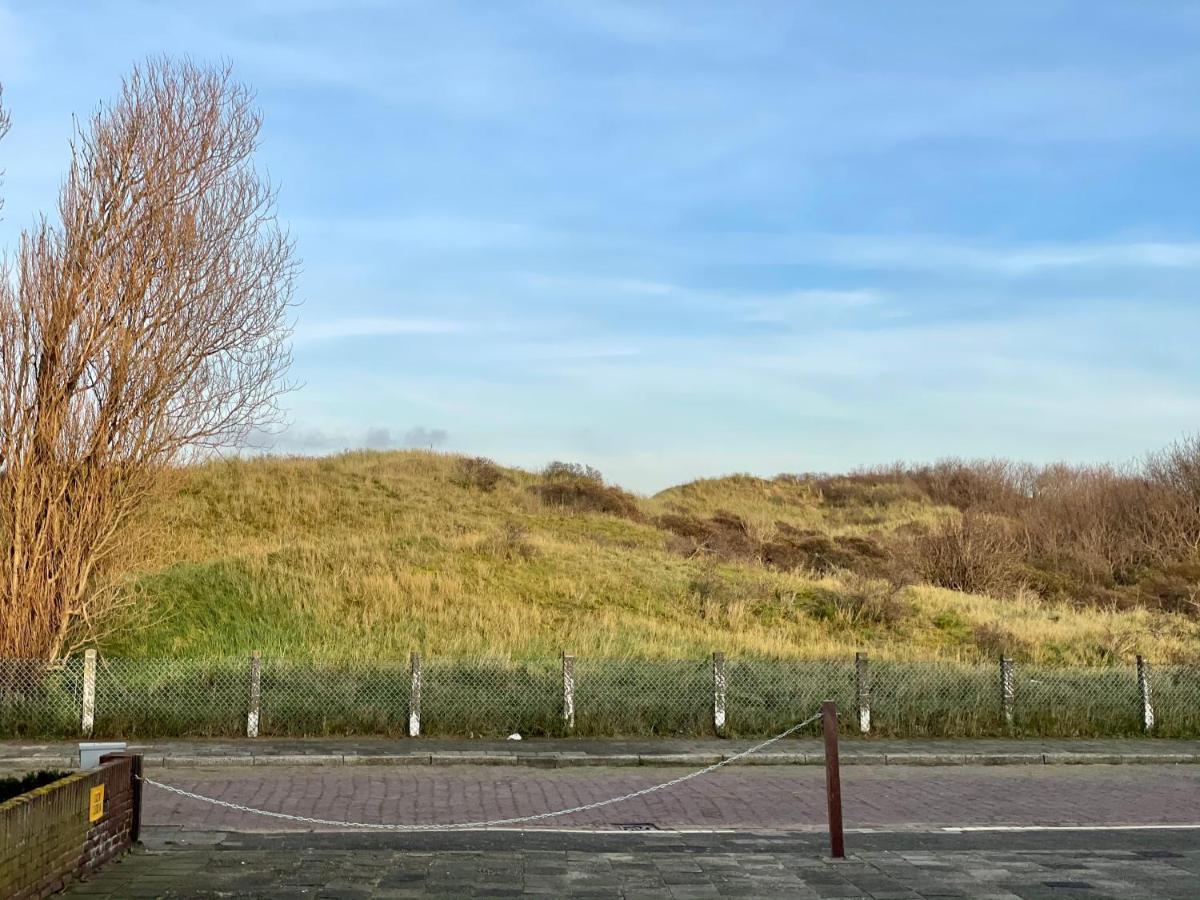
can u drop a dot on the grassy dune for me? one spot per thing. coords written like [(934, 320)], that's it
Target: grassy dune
[(379, 554)]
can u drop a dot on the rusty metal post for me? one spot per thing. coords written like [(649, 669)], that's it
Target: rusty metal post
[(135, 825), (833, 779)]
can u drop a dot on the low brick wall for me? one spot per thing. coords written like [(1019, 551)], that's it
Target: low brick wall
[(47, 840)]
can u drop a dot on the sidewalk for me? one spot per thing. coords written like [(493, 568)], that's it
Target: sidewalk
[(568, 752), (898, 867)]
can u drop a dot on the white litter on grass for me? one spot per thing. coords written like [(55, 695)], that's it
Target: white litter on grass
[(514, 737)]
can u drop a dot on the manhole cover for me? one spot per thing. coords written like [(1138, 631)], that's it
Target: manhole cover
[(635, 826), (1082, 885)]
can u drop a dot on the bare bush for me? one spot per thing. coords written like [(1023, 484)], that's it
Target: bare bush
[(862, 602), (991, 485), (723, 535), (994, 640), (582, 488), (1177, 470), (564, 471), (976, 553), (5, 122), (478, 472), (511, 542), (147, 326)]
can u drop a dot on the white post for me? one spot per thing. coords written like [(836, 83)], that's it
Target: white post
[(1007, 689), (719, 688), (1143, 677), (255, 707), (414, 696), (568, 680), (862, 680), (88, 718)]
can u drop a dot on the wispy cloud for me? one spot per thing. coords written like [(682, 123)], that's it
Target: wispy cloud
[(374, 326), (697, 236), (309, 440)]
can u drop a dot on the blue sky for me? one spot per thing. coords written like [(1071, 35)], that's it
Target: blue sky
[(675, 240)]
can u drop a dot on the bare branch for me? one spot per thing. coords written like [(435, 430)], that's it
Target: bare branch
[(147, 327)]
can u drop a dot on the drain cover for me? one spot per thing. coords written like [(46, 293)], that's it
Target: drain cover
[(635, 826)]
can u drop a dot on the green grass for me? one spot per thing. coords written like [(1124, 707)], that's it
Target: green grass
[(375, 555), (492, 697)]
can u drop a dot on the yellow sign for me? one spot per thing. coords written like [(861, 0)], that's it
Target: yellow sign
[(96, 804)]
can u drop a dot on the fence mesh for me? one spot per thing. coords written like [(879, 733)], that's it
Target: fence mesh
[(1076, 702), (643, 696), (494, 697), (1175, 696), (169, 697), (301, 697), (767, 696), (935, 699), (40, 699), (491, 697)]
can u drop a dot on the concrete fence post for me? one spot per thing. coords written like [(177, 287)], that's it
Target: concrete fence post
[(414, 695), (568, 688), (862, 683), (87, 718), (1007, 689), (255, 708), (719, 692), (1143, 677)]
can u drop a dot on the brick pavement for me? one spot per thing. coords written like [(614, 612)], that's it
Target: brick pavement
[(723, 866), (760, 798)]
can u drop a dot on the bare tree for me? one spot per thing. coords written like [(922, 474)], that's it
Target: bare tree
[(147, 327), (4, 123)]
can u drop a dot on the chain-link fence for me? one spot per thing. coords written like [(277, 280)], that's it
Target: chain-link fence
[(935, 699), (585, 696), (767, 696), (39, 698), (490, 697), (643, 696)]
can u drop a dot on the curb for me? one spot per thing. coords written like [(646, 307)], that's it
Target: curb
[(582, 760)]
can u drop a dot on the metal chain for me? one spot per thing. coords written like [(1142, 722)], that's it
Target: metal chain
[(493, 822)]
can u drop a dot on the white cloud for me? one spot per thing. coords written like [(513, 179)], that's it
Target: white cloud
[(374, 326), (946, 253)]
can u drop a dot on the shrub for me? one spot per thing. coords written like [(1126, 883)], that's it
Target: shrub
[(723, 535), (563, 471), (578, 487), (510, 542), (795, 548), (862, 602), (973, 553), (995, 640), (991, 485), (478, 472)]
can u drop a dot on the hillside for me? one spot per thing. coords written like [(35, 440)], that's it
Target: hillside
[(378, 554)]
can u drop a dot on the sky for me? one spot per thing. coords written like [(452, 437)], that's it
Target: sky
[(676, 240)]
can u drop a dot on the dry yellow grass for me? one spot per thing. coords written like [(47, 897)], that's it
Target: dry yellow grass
[(379, 554)]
